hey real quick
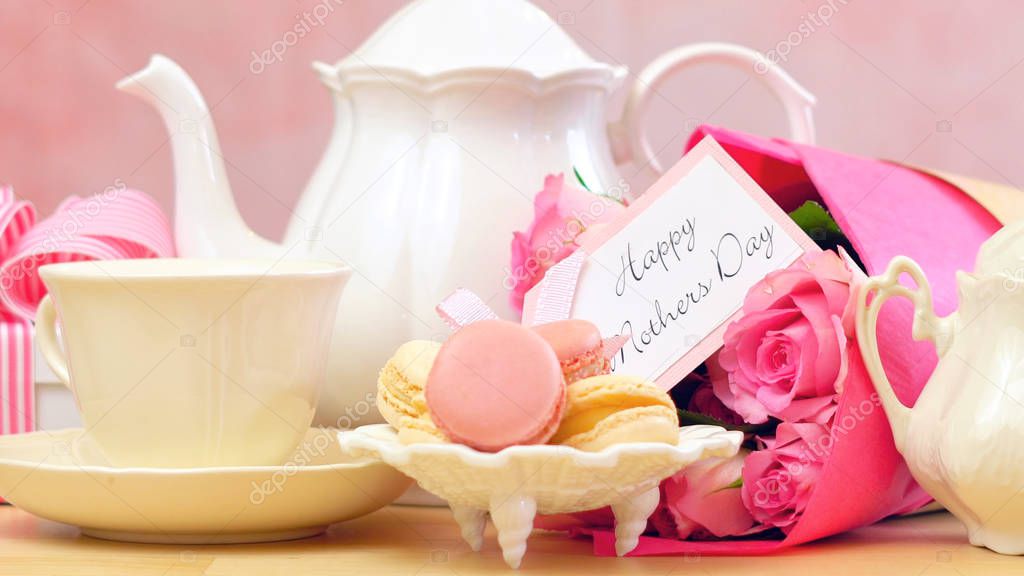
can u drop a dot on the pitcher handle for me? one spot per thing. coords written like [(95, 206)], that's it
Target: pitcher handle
[(46, 339), (927, 325), (629, 137)]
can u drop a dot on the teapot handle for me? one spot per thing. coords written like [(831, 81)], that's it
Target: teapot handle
[(629, 137), (927, 325)]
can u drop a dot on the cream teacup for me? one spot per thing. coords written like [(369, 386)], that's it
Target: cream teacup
[(191, 363)]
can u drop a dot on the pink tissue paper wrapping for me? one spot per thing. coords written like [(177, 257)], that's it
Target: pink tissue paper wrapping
[(885, 209)]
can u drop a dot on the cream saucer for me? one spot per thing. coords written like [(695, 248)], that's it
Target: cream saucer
[(46, 473)]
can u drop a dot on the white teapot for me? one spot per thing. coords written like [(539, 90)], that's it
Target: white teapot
[(964, 438), (446, 121)]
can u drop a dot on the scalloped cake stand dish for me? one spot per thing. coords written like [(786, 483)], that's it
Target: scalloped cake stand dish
[(517, 483), (56, 476)]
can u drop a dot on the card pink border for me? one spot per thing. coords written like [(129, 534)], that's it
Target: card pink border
[(705, 148)]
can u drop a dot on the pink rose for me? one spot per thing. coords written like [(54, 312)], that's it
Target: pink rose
[(786, 357), (778, 481), (561, 214), (698, 502), (704, 401)]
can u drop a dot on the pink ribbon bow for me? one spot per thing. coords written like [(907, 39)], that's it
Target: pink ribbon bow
[(463, 307), (118, 223)]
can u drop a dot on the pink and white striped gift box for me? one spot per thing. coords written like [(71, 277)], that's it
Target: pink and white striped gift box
[(17, 398), (17, 382)]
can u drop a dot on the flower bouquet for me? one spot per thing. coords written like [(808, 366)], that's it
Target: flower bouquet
[(818, 457)]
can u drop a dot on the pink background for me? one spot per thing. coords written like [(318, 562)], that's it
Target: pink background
[(931, 82)]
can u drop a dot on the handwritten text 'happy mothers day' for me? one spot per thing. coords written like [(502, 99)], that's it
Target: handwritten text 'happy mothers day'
[(724, 260)]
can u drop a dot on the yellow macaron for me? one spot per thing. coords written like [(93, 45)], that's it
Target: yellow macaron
[(400, 391), (419, 431), (613, 409)]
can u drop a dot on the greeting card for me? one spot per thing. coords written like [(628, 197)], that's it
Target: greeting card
[(671, 272)]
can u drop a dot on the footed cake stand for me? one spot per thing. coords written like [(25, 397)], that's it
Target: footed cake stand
[(517, 483)]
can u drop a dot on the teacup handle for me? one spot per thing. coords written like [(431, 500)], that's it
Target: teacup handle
[(629, 137), (927, 325), (46, 339)]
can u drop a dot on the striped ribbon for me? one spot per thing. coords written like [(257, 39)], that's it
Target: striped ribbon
[(116, 224), (463, 307), (557, 289)]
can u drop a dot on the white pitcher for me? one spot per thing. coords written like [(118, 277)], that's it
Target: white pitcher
[(446, 121), (964, 438)]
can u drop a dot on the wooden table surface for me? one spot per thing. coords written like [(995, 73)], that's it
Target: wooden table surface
[(409, 541)]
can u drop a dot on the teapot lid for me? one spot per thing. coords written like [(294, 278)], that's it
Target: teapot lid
[(431, 37)]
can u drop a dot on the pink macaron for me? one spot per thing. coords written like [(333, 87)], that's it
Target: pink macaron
[(579, 347), (496, 384)]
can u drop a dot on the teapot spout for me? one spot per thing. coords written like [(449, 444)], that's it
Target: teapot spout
[(206, 221)]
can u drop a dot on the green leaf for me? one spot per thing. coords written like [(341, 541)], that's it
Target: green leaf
[(587, 188), (580, 179), (815, 220), (737, 483), (687, 417), (812, 218)]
